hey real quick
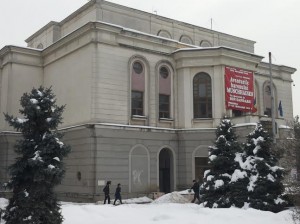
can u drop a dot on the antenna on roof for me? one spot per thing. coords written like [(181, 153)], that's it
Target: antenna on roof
[(211, 23), (154, 11)]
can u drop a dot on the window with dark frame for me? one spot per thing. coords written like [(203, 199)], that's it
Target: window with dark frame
[(237, 113), (138, 89), (164, 72), (202, 96), (164, 106), (138, 67), (137, 104)]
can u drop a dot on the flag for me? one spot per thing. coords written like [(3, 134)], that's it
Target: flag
[(280, 109)]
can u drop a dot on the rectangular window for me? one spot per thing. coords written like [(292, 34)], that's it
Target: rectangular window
[(202, 107), (201, 164), (237, 113), (267, 125), (137, 103), (268, 112), (164, 106)]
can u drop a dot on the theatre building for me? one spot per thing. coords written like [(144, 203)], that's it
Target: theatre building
[(143, 93)]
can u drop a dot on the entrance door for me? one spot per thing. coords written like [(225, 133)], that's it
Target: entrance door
[(165, 167)]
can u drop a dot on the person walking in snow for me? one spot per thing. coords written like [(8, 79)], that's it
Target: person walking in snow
[(106, 192), (118, 194), (195, 188)]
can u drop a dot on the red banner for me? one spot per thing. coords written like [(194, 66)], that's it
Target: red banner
[(239, 89)]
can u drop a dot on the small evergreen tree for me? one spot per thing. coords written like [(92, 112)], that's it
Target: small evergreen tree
[(265, 187), (221, 186), (39, 167), (297, 144)]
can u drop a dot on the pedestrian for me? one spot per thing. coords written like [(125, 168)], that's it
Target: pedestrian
[(106, 192), (118, 194), (196, 189)]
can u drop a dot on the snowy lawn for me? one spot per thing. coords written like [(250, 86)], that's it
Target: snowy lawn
[(166, 213)]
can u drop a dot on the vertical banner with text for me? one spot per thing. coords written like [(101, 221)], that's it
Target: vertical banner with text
[(239, 89)]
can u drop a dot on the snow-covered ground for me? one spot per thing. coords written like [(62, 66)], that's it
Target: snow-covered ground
[(163, 212)]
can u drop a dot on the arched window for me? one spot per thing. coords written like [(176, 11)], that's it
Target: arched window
[(202, 95), (267, 99), (205, 43), (139, 170), (164, 33), (137, 88), (164, 92), (186, 39)]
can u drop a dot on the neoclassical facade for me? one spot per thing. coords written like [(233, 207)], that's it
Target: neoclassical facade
[(143, 96)]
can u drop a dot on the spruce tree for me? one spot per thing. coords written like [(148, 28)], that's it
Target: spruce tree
[(38, 167), (297, 144), (265, 187), (221, 187)]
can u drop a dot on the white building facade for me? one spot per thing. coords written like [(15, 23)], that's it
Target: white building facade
[(143, 96)]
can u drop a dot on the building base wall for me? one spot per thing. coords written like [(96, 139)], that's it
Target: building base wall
[(136, 157)]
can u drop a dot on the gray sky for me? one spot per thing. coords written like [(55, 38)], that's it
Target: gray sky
[(274, 25)]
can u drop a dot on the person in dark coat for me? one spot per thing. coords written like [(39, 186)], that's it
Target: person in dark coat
[(106, 192), (118, 194), (196, 190)]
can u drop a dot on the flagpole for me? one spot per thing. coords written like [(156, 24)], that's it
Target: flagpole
[(272, 99)]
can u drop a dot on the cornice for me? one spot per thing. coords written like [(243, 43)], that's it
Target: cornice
[(193, 57), (11, 49), (221, 48), (18, 49), (279, 68), (47, 26), (171, 47), (123, 37), (102, 3), (87, 28)]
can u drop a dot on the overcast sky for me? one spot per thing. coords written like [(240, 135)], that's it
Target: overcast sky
[(274, 25)]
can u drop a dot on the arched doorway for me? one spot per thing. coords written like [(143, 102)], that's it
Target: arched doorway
[(165, 170), (139, 169)]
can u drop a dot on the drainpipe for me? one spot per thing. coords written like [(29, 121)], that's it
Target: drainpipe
[(95, 151)]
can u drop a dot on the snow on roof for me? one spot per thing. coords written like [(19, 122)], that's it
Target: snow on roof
[(216, 47), (148, 34), (9, 47)]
